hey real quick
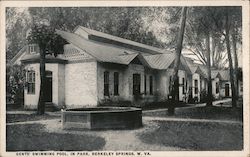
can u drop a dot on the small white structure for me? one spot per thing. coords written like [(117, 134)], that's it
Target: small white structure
[(199, 80)]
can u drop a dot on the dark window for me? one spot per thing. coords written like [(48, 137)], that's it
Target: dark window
[(31, 82), (183, 85), (170, 82), (32, 49), (116, 83), (145, 84), (106, 83), (186, 85), (136, 84), (217, 87), (151, 85), (195, 86), (200, 84)]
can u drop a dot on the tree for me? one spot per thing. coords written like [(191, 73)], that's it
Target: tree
[(225, 19), (125, 22), (227, 36), (199, 34), (15, 83), (236, 39), (49, 43), (174, 89), (17, 23)]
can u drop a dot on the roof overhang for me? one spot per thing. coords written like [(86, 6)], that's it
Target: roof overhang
[(36, 59)]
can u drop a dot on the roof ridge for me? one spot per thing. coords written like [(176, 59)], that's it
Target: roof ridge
[(142, 45), (127, 54)]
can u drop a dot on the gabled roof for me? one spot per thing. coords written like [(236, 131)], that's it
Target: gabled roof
[(111, 39), (19, 54), (224, 74), (204, 70), (163, 61), (101, 52), (214, 74), (193, 67), (196, 68)]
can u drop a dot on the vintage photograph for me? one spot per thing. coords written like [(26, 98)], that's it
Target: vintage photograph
[(124, 78)]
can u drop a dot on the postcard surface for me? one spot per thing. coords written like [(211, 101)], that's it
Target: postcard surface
[(124, 78)]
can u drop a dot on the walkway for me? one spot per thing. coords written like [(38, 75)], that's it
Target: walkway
[(116, 140), (215, 103), (191, 120), (123, 139)]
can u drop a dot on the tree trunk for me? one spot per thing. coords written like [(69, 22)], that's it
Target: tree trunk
[(230, 60), (236, 64), (41, 103), (174, 90), (209, 88)]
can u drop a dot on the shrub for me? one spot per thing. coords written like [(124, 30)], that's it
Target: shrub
[(14, 83)]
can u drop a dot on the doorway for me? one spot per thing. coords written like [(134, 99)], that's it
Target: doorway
[(48, 86), (136, 84), (227, 90)]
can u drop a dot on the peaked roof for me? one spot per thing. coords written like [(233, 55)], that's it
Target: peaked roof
[(101, 52), (193, 67), (119, 41), (19, 54), (196, 68), (215, 73), (224, 74), (163, 61)]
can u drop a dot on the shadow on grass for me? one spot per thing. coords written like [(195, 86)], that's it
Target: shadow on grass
[(11, 118), (32, 137), (216, 113), (196, 136)]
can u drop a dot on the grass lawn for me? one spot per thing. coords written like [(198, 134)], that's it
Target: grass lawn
[(196, 136), (158, 105), (220, 113), (11, 118), (32, 137)]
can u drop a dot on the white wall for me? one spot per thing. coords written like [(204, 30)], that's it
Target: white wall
[(81, 84), (222, 89), (181, 74), (163, 84), (31, 100), (61, 85), (125, 82), (196, 76)]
